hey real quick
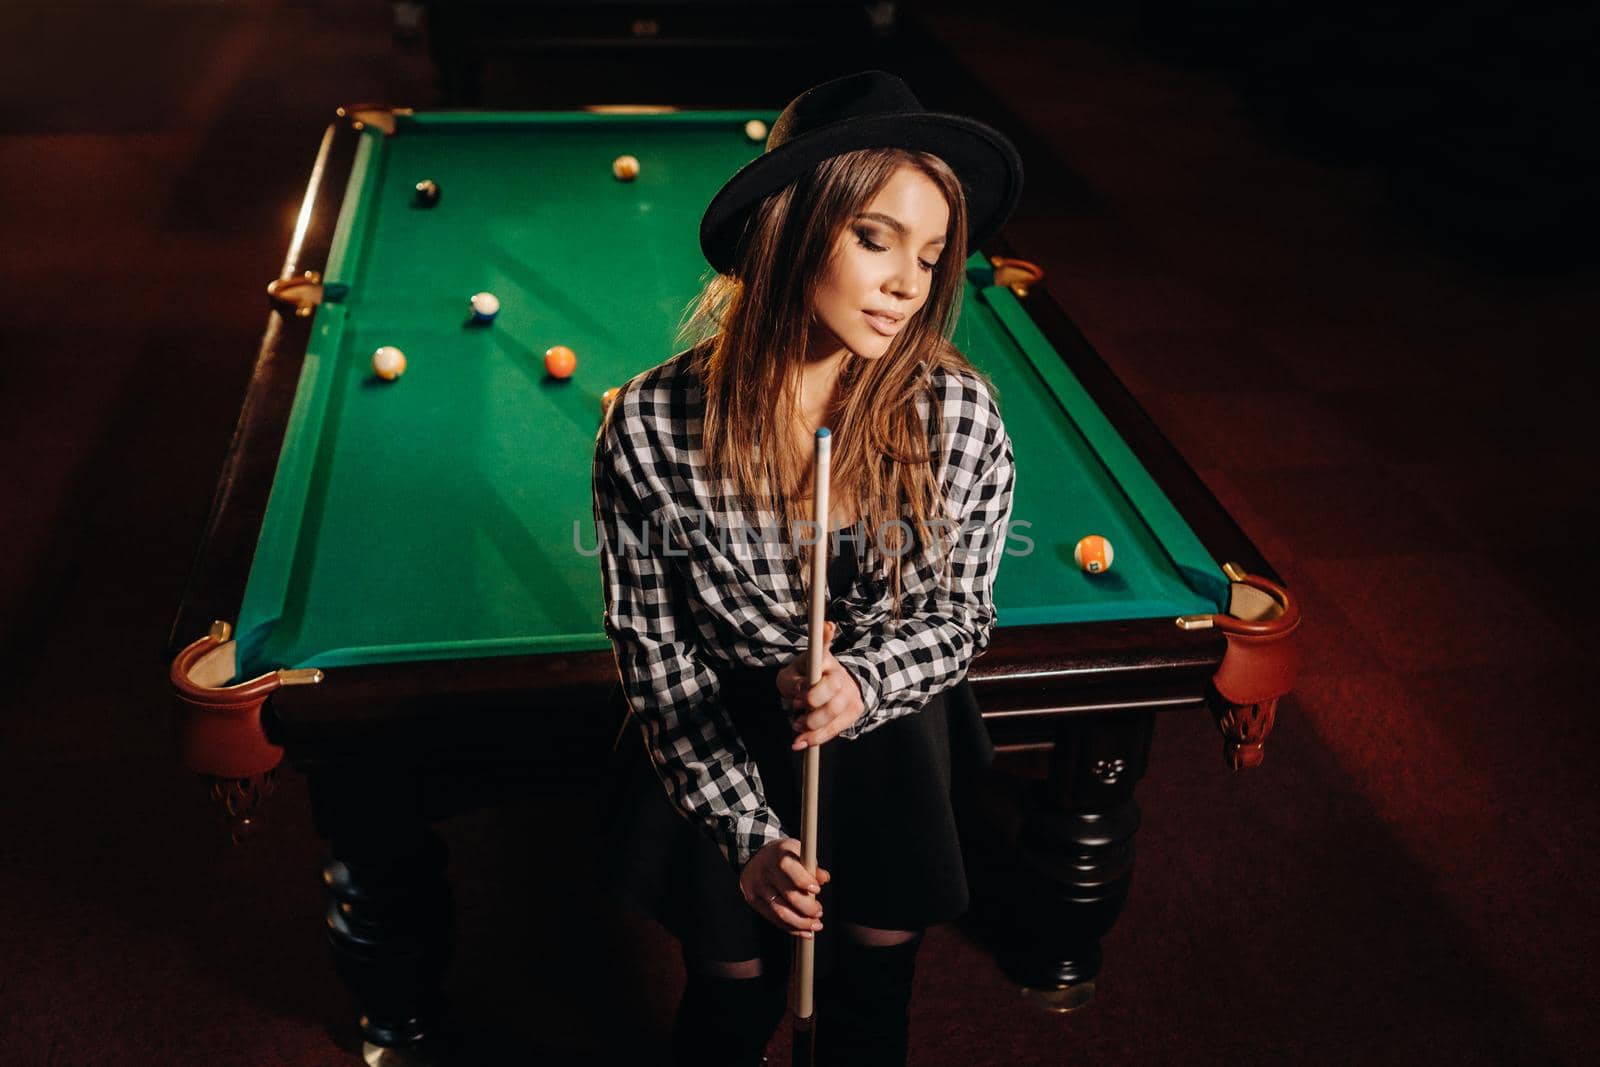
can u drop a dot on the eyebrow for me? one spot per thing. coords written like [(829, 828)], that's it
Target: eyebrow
[(893, 223)]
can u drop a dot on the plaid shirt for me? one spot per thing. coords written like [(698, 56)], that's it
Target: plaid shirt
[(685, 597)]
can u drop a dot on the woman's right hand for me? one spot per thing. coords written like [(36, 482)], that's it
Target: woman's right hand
[(780, 889)]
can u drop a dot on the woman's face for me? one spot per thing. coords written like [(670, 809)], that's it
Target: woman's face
[(881, 268)]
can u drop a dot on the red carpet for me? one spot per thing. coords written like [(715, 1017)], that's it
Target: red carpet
[(1397, 424)]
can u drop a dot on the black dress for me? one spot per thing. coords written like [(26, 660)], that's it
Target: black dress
[(887, 825)]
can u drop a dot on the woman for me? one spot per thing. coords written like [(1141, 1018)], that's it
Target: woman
[(839, 256)]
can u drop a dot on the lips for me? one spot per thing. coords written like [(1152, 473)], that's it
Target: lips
[(883, 323)]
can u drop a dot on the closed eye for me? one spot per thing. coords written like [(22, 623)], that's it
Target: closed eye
[(861, 236)]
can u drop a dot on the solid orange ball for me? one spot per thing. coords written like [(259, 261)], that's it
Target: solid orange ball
[(560, 361)]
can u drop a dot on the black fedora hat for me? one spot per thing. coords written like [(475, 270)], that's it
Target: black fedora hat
[(872, 109)]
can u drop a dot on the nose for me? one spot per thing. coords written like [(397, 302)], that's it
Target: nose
[(905, 283)]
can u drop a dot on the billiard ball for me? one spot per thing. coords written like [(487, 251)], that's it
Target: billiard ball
[(626, 168), (756, 130), (388, 363), (1093, 554), (560, 361), (427, 193), (607, 397), (485, 306)]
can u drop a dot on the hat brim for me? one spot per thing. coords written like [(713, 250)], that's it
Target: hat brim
[(986, 162)]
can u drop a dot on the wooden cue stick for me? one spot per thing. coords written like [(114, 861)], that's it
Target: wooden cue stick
[(806, 948)]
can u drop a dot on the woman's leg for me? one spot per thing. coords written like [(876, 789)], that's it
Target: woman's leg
[(728, 1012), (867, 935), (864, 1004)]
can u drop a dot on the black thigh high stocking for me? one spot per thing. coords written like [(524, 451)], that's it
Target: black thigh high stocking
[(863, 1005), (728, 1013)]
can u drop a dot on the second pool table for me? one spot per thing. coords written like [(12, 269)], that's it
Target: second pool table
[(397, 578)]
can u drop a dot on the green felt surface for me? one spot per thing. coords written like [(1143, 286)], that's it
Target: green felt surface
[(448, 514)]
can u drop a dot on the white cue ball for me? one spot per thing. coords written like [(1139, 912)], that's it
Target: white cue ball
[(388, 363), (756, 130)]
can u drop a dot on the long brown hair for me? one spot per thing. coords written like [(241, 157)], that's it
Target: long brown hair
[(749, 333)]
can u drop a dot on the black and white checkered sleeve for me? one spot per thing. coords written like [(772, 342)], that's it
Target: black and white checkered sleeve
[(899, 670), (697, 753)]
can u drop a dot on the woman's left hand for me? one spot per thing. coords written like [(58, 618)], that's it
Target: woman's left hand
[(822, 711)]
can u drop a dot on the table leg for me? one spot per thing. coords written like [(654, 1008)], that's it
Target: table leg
[(389, 903), (1051, 866)]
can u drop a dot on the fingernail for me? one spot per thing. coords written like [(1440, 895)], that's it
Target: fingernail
[(807, 935), (816, 926), (798, 747), (816, 889)]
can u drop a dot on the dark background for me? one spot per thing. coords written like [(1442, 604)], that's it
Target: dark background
[(1345, 257)]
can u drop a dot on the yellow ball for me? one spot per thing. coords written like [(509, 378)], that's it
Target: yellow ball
[(560, 361), (756, 130), (626, 168), (1094, 554), (388, 363), (607, 397)]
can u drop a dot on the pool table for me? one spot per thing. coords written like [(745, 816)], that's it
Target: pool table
[(397, 585)]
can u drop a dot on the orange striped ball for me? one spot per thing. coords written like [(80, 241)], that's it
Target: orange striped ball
[(1093, 554)]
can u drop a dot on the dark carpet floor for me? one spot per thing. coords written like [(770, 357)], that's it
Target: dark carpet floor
[(1393, 403)]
